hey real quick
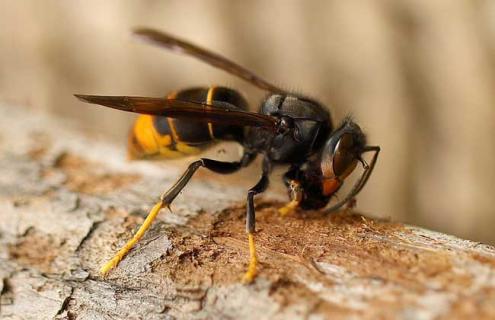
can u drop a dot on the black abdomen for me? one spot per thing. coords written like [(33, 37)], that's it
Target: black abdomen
[(171, 138)]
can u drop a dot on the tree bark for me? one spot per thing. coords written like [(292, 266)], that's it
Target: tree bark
[(69, 201)]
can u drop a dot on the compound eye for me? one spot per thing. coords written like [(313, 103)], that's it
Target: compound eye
[(344, 156)]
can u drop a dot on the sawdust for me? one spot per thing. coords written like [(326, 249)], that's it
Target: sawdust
[(340, 239), (214, 248)]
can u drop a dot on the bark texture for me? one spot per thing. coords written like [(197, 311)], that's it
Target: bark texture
[(68, 201)]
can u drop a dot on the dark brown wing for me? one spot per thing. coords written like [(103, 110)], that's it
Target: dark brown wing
[(217, 112), (170, 42)]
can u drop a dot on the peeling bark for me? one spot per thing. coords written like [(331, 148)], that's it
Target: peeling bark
[(68, 201)]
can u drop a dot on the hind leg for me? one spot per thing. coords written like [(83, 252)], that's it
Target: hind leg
[(168, 197)]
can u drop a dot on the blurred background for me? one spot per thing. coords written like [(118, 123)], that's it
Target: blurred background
[(418, 75)]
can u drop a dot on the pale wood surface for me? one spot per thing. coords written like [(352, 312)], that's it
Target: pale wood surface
[(67, 201)]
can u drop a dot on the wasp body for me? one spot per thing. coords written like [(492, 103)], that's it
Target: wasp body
[(288, 129)]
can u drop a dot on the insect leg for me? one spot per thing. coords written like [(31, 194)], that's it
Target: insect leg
[(296, 195), (251, 221), (292, 182), (169, 196)]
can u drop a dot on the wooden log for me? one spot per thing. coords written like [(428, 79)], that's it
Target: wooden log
[(69, 200)]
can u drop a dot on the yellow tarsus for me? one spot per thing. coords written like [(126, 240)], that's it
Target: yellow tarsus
[(288, 208), (137, 236), (253, 261)]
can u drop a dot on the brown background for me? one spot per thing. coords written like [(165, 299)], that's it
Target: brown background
[(417, 75)]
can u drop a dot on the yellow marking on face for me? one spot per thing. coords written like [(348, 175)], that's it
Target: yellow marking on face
[(209, 100)]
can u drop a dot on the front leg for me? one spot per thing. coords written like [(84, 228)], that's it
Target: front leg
[(296, 193)]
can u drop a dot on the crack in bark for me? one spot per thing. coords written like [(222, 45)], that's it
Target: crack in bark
[(65, 303), (6, 293), (88, 235)]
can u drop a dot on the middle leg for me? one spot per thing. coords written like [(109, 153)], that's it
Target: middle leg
[(251, 220)]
